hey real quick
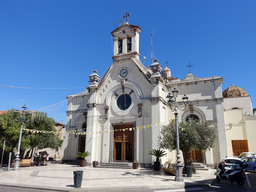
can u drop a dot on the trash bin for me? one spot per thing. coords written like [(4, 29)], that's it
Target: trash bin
[(78, 177), (189, 170), (38, 162)]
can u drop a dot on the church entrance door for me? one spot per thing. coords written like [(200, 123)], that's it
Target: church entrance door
[(82, 143), (123, 143), (196, 156)]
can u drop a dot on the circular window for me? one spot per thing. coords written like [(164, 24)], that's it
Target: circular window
[(124, 101)]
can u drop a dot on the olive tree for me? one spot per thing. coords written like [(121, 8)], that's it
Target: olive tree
[(193, 134)]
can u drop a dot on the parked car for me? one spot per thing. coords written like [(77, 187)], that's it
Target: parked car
[(251, 161), (229, 162), (247, 154)]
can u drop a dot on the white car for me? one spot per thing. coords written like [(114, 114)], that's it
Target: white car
[(229, 162), (247, 154)]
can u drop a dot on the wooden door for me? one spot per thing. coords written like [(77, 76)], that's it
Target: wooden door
[(196, 155), (123, 144), (82, 143), (239, 146)]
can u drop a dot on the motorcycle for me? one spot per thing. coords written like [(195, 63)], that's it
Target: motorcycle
[(236, 173)]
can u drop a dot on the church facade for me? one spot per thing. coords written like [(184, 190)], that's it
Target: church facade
[(119, 116)]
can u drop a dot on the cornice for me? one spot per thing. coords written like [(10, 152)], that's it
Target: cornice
[(76, 111), (203, 101), (161, 99), (125, 56), (195, 82)]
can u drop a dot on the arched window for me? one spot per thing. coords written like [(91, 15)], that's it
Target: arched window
[(84, 126), (192, 116)]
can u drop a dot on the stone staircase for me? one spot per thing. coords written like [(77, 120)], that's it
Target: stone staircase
[(201, 166), (116, 165)]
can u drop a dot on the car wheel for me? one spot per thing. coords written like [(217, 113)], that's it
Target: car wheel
[(254, 169)]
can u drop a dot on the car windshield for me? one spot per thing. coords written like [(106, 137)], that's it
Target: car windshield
[(242, 155), (233, 161)]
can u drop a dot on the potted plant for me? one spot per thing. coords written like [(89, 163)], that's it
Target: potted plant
[(83, 155), (135, 165), (95, 163), (157, 153)]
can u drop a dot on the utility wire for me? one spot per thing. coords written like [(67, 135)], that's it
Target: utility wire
[(8, 87)]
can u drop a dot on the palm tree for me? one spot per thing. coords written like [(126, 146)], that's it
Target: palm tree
[(157, 153)]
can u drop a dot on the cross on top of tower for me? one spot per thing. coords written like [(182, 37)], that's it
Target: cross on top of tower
[(189, 66), (125, 17)]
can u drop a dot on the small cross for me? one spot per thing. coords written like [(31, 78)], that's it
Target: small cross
[(189, 67), (166, 63), (126, 17)]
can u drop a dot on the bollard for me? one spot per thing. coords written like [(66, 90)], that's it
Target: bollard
[(9, 161), (2, 157), (78, 177)]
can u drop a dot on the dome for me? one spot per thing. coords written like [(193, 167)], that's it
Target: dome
[(234, 91), (166, 72)]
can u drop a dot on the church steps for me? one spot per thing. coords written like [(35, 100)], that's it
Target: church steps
[(115, 165), (200, 166)]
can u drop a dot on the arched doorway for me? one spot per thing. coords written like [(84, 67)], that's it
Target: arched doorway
[(196, 155)]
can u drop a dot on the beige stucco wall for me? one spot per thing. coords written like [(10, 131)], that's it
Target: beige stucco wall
[(243, 128)]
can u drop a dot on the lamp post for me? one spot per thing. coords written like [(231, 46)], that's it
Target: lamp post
[(17, 159), (174, 107)]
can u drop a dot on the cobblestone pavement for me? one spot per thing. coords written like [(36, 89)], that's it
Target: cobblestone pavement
[(60, 177)]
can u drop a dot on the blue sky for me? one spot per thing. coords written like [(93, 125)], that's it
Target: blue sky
[(57, 44)]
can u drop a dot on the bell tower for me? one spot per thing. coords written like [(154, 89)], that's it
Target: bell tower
[(126, 40)]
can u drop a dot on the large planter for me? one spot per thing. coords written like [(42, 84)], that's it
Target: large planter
[(157, 165), (83, 162), (135, 165), (189, 170), (95, 163)]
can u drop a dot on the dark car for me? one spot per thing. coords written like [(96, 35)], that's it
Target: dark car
[(251, 161)]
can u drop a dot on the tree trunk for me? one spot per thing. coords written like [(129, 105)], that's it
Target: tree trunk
[(32, 152), (187, 158), (188, 161), (27, 154)]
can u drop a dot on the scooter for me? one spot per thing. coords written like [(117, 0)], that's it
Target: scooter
[(236, 173)]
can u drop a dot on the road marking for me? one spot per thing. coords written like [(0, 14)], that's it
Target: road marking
[(247, 179), (183, 190)]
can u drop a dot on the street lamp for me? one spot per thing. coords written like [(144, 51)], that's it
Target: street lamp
[(17, 159), (174, 107)]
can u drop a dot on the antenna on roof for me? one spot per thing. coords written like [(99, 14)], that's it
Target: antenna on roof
[(152, 32), (125, 17)]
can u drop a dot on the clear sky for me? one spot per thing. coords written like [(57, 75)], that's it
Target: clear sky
[(57, 44)]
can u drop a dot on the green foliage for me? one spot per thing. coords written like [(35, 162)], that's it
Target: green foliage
[(10, 130), (192, 135), (83, 154), (157, 153), (40, 121)]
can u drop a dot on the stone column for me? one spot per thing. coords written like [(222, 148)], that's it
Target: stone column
[(115, 48), (124, 44)]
